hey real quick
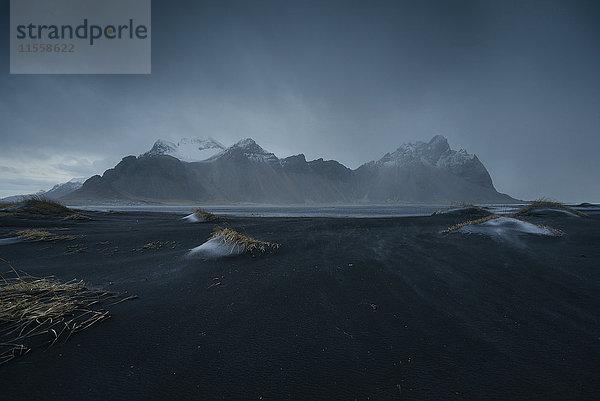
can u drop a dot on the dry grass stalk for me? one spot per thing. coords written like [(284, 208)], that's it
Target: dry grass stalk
[(470, 222), (39, 311), (458, 226), (241, 241), (463, 205), (77, 216), (537, 204), (37, 206), (38, 235), (77, 248), (156, 244), (207, 216), (543, 204), (555, 231)]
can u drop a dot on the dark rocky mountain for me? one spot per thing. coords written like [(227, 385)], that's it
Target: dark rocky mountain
[(245, 172), (426, 172)]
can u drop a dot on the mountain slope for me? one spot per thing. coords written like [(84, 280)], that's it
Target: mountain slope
[(426, 172)]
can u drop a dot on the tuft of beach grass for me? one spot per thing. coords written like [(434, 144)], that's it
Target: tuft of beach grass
[(462, 205), (207, 216), (39, 235), (544, 203), (39, 311), (555, 231), (469, 223), (241, 241), (78, 216), (36, 206), (458, 226), (518, 215)]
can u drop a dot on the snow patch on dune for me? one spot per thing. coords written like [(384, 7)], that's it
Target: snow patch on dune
[(192, 218), (216, 248), (506, 227), (8, 241), (195, 218)]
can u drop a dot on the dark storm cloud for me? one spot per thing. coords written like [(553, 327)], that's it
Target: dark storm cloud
[(514, 82)]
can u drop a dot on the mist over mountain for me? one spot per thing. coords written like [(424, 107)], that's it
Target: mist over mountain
[(204, 171)]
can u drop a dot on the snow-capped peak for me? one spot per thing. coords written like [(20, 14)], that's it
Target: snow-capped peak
[(249, 149), (436, 152), (187, 149), (245, 143), (249, 146), (74, 183), (79, 180)]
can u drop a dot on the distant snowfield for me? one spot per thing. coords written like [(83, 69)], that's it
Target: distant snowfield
[(194, 154), (216, 248), (187, 149), (505, 227)]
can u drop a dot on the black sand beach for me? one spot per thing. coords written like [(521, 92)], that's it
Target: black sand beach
[(345, 309)]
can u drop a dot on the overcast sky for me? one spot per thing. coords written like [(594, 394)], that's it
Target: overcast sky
[(515, 82)]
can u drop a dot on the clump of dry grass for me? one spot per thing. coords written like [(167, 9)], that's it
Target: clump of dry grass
[(39, 235), (470, 222), (152, 245), (36, 207), (4, 205), (537, 204), (77, 248), (555, 231), (463, 205), (39, 311), (78, 216), (207, 216), (241, 241), (544, 203), (458, 226)]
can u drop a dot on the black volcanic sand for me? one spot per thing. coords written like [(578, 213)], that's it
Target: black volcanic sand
[(346, 309)]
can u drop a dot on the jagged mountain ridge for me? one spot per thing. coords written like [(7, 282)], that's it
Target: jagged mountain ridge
[(245, 172)]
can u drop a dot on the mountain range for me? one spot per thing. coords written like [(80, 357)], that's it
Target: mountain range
[(205, 171)]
